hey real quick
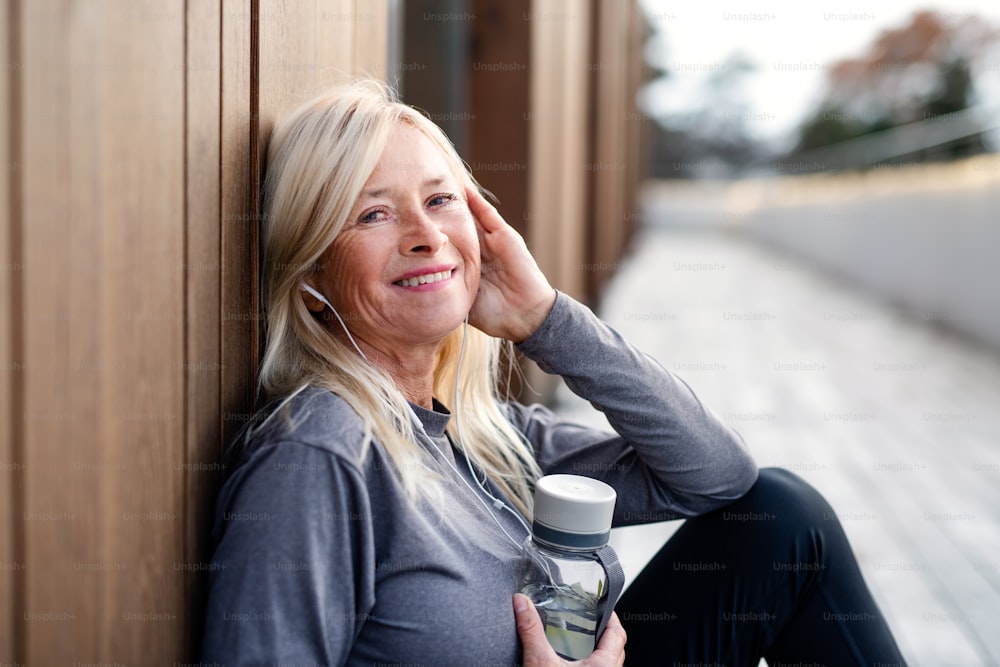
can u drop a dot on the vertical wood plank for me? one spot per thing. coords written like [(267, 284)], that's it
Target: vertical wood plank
[(288, 65), (103, 205), (371, 38), (239, 216), (11, 467), (557, 132), (202, 273), (607, 168), (306, 47), (335, 40), (291, 68), (43, 72), (499, 81), (557, 136), (53, 525), (638, 125)]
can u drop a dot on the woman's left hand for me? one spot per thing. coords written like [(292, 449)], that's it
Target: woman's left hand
[(514, 295)]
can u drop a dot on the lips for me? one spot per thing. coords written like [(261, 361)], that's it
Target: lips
[(425, 278)]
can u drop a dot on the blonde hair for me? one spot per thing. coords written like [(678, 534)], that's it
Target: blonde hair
[(319, 158)]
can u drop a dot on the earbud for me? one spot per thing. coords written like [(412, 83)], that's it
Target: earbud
[(305, 287), (308, 288)]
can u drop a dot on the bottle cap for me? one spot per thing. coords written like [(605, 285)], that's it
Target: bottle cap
[(573, 511)]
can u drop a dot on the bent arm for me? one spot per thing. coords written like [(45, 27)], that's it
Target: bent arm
[(670, 456)]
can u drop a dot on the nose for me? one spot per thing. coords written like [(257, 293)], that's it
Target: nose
[(421, 234)]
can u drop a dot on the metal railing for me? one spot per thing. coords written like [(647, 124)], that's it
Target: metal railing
[(896, 143)]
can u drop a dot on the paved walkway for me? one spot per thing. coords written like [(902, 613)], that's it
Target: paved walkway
[(896, 422)]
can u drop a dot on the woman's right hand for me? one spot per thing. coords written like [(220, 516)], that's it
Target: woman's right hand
[(514, 296), (538, 653)]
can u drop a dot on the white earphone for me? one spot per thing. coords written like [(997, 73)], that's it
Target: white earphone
[(308, 288)]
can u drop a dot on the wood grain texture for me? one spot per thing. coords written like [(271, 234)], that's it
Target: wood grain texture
[(238, 216), (103, 197), (129, 136), (11, 362), (557, 138), (336, 37), (202, 276), (499, 104), (371, 48), (57, 521), (609, 158), (299, 56), (638, 125)]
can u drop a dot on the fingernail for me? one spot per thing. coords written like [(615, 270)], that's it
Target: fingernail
[(520, 603)]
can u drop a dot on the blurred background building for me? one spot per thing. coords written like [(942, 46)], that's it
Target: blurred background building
[(885, 123), (818, 258)]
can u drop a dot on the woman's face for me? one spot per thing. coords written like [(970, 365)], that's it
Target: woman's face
[(405, 269)]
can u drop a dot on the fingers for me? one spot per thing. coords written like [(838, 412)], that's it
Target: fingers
[(484, 212), (611, 648), (532, 633)]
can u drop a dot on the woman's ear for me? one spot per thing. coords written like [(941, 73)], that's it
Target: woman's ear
[(312, 302)]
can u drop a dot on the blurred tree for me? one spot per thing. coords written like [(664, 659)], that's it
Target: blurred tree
[(919, 71), (711, 138)]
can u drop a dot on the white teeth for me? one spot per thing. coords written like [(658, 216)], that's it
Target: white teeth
[(424, 279)]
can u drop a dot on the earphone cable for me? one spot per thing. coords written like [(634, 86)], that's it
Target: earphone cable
[(497, 503), (461, 442)]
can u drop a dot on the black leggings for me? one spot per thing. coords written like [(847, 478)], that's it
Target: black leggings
[(771, 575)]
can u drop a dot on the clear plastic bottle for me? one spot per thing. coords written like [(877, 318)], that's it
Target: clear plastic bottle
[(561, 568)]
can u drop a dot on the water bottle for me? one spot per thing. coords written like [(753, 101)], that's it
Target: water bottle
[(567, 569)]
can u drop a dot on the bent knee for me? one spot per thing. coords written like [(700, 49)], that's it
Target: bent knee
[(781, 494)]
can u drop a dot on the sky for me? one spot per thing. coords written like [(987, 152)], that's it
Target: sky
[(790, 43)]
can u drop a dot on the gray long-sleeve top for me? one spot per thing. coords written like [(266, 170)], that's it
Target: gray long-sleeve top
[(321, 559)]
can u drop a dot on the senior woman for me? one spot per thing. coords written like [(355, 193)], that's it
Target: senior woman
[(363, 522)]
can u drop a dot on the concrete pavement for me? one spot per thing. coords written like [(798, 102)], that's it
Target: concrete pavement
[(894, 420)]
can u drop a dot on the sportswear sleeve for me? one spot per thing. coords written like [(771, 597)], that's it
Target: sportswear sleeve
[(292, 576), (669, 456)]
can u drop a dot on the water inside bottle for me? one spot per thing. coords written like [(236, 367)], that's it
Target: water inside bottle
[(570, 615)]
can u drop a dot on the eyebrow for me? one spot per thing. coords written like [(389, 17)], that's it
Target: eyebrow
[(429, 183)]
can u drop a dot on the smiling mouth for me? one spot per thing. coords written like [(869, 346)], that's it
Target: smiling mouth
[(425, 279)]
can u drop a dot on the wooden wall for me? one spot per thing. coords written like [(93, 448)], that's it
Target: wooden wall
[(555, 129), (131, 141), (498, 68), (556, 133), (616, 139), (130, 137)]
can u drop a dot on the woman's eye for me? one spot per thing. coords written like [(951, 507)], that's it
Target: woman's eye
[(441, 200), (375, 215)]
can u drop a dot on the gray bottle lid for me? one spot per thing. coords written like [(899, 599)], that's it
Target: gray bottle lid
[(573, 511)]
